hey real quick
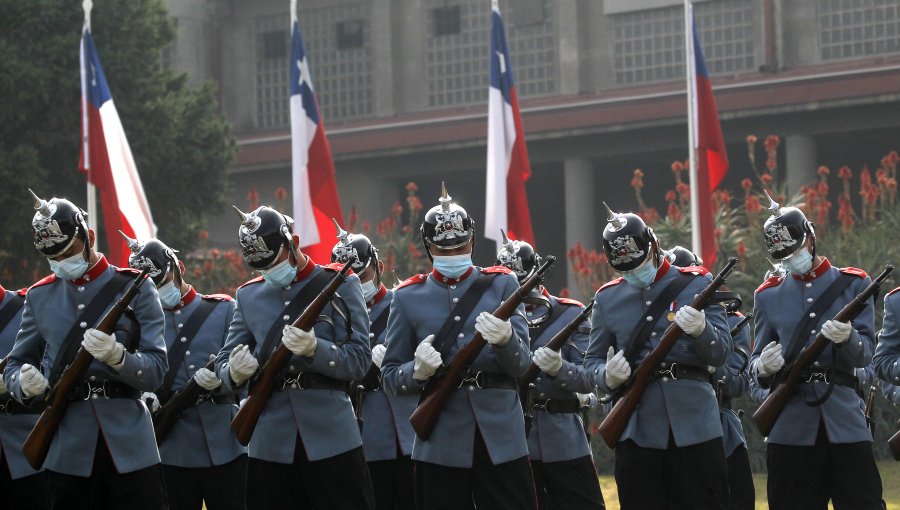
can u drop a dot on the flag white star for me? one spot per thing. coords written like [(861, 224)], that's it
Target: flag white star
[(502, 62), (303, 66)]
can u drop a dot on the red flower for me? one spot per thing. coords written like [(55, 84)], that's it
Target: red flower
[(766, 179), (771, 164), (683, 190), (742, 249), (397, 209), (215, 253), (637, 182), (411, 187), (203, 235), (565, 292), (677, 166), (253, 197), (772, 142), (751, 139), (414, 203), (824, 171), (280, 193), (844, 172), (366, 226), (751, 203), (670, 196), (746, 184)]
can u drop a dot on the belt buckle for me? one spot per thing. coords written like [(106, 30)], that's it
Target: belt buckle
[(476, 380), (817, 377), (93, 390), (5, 407), (295, 382), (541, 405), (669, 371), (203, 397)]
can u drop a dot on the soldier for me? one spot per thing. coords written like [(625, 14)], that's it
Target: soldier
[(201, 458), (20, 484), (820, 447), (387, 435), (477, 452), (559, 451), (104, 454), (670, 453), (306, 451)]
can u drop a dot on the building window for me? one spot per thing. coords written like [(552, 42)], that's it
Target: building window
[(446, 20), (350, 34), (274, 45), (858, 28), (272, 40)]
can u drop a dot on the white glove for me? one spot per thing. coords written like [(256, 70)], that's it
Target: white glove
[(495, 331), (301, 343), (103, 347), (241, 364), (617, 368), (241, 403), (207, 379), (837, 332), (691, 320), (548, 360), (378, 354), (32, 381), (427, 360), (770, 359), (587, 399), (151, 400)]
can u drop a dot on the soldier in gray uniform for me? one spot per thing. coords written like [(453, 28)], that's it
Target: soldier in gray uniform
[(21, 485), (670, 454), (104, 454), (559, 451), (820, 447), (202, 459), (477, 452), (387, 435), (306, 451), (887, 353)]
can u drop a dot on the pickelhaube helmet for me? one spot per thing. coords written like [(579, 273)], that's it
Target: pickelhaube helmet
[(683, 257), (786, 230), (262, 234), (519, 256), (627, 240), (729, 299), (446, 226), (154, 255), (56, 225), (357, 247)]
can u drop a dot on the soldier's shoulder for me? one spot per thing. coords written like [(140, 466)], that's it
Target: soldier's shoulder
[(569, 302), (22, 291), (496, 270), (335, 267), (772, 281), (47, 280), (892, 292), (127, 270), (217, 297), (694, 270), (258, 279), (611, 283), (412, 280), (853, 271)]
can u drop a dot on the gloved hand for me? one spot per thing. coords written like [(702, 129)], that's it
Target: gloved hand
[(207, 379), (691, 320), (770, 359), (151, 400), (241, 364), (587, 399), (495, 331), (103, 347), (836, 331), (427, 360), (548, 360), (241, 403), (301, 343), (32, 381), (617, 368), (378, 354)]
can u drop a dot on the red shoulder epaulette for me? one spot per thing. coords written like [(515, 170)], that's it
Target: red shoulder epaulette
[(218, 297), (496, 269), (336, 267), (697, 270), (854, 271), (891, 292), (44, 281), (127, 270), (22, 291), (249, 282), (738, 314), (773, 281), (572, 302), (412, 280), (611, 283)]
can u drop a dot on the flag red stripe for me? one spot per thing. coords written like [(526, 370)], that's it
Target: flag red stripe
[(518, 216), (324, 196), (707, 215), (709, 133)]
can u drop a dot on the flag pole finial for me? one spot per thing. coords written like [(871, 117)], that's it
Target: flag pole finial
[(774, 206), (445, 199), (342, 234), (133, 244), (87, 5)]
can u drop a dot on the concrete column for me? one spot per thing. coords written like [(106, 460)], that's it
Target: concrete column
[(409, 26), (382, 59), (567, 43), (580, 201), (800, 161)]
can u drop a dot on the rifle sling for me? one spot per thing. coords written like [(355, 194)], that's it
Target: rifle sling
[(555, 313), (181, 344), (303, 298), (656, 310), (378, 326), (446, 336), (10, 309)]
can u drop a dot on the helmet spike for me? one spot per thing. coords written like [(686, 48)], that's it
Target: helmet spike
[(445, 199), (342, 234), (245, 219), (507, 243), (614, 218), (133, 244), (774, 206), (40, 204)]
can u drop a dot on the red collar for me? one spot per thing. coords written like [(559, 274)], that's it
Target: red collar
[(544, 292), (378, 296), (663, 269), (305, 270), (185, 299), (93, 272), (451, 281), (815, 273), (2, 291)]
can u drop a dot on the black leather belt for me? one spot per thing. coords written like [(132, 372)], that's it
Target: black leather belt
[(557, 406), (829, 375), (478, 379), (215, 399), (310, 381), (12, 406), (676, 371), (106, 389)]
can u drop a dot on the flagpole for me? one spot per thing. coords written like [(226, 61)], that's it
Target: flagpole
[(91, 189), (690, 73)]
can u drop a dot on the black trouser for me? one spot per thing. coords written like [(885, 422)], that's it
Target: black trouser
[(341, 481), (569, 484), (741, 493), (107, 489), (678, 477), (503, 486), (220, 487), (392, 481), (26, 492), (806, 477)]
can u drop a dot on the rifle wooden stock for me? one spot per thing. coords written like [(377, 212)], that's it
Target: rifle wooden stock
[(166, 416), (38, 442), (442, 384), (555, 344), (767, 414), (614, 424), (263, 383)]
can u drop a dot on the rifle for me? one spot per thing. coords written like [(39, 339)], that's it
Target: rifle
[(166, 416), (870, 409), (442, 384), (555, 344), (263, 383), (894, 443), (614, 424), (38, 442), (779, 396), (740, 325)]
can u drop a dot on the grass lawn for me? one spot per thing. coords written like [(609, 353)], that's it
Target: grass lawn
[(890, 479)]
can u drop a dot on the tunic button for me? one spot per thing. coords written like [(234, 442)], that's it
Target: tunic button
[(653, 334), (648, 303), (809, 300), (83, 324), (287, 303), (180, 325), (665, 379), (287, 317), (187, 353), (291, 368), (542, 395), (140, 373), (515, 354), (401, 371), (453, 286), (569, 372), (528, 314), (333, 347), (815, 363), (287, 288), (80, 289), (813, 332), (712, 343), (455, 300), (457, 318), (649, 318), (403, 387), (371, 335), (183, 339), (81, 306), (563, 385), (812, 315), (177, 312), (331, 363), (93, 377), (808, 285), (461, 335), (662, 365), (190, 367), (537, 379)]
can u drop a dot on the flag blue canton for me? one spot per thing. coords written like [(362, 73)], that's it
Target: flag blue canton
[(301, 79), (699, 61), (501, 66), (98, 90)]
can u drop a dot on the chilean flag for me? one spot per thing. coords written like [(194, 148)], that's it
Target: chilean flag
[(106, 159), (712, 160), (507, 157), (313, 186)]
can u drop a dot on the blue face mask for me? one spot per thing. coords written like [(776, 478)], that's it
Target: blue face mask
[(70, 268), (642, 276), (169, 295), (452, 266), (798, 263), (369, 289), (281, 275)]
